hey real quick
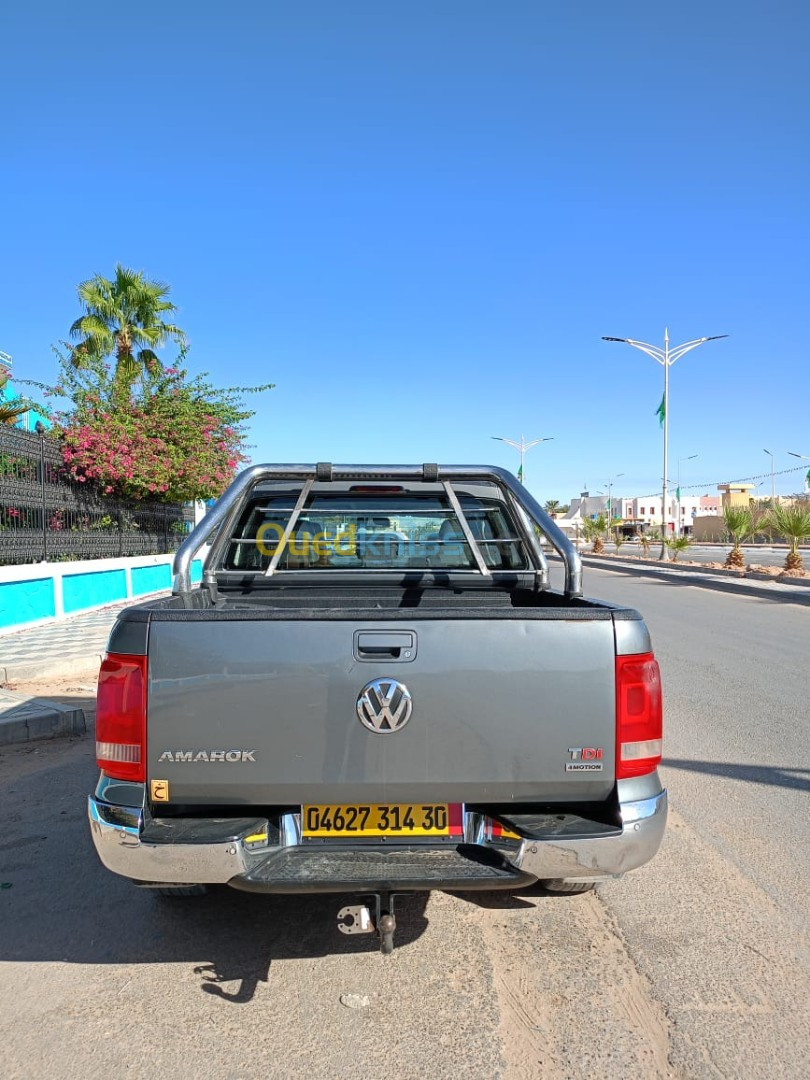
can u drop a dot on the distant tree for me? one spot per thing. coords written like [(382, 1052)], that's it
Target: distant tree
[(126, 317), (594, 530), (740, 526), (552, 507), (761, 520), (792, 523), (677, 545), (645, 539)]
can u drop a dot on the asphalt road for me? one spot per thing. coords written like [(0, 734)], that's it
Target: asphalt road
[(698, 965)]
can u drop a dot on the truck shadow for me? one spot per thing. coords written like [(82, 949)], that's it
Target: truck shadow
[(230, 939), (244, 934), (58, 904), (503, 900), (785, 776)]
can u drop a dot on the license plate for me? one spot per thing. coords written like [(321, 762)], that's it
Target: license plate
[(386, 819)]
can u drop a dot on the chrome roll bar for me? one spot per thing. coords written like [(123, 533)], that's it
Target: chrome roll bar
[(227, 508)]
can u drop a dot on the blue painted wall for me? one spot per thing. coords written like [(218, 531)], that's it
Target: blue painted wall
[(149, 579), (146, 579), (87, 590), (24, 601)]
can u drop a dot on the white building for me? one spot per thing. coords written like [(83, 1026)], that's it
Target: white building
[(639, 513)]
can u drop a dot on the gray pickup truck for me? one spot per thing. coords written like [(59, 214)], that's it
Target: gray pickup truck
[(374, 690)]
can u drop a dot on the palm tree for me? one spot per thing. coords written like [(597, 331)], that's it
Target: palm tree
[(676, 545), (124, 317), (10, 410), (793, 523), (740, 526), (646, 539), (594, 529), (552, 506)]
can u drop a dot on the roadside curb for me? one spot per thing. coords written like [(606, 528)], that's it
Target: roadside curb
[(26, 719), (796, 592)]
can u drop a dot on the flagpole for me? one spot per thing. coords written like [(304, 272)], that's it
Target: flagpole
[(665, 357), (679, 522), (665, 495)]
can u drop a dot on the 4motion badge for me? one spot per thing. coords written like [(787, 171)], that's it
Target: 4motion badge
[(584, 759)]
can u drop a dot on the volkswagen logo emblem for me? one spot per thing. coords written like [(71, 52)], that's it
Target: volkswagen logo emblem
[(384, 706)]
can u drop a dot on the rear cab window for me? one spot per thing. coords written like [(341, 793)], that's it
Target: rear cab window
[(375, 528)]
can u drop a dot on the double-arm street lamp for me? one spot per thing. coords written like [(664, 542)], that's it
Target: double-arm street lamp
[(522, 447), (666, 357)]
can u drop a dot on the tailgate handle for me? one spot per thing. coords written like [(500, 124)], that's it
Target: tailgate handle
[(384, 645)]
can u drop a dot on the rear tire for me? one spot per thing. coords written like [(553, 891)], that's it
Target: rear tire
[(181, 890), (567, 888)]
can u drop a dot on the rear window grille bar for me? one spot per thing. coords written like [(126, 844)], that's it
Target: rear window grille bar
[(288, 528), (465, 528), (417, 543)]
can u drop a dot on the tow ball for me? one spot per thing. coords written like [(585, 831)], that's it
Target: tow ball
[(357, 919)]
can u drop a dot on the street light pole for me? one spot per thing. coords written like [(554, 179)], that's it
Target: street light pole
[(522, 447), (609, 484), (804, 457), (773, 487), (691, 457), (666, 357)]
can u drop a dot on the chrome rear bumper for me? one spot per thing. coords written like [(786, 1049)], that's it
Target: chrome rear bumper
[(118, 835), (593, 859)]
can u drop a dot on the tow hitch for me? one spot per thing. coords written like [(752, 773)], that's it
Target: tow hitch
[(357, 919)]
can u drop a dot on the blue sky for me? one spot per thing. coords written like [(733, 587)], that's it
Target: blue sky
[(419, 219)]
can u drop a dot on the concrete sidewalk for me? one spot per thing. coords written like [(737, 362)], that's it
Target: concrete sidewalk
[(62, 648), (70, 648)]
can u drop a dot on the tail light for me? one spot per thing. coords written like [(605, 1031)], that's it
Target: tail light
[(639, 715), (121, 717)]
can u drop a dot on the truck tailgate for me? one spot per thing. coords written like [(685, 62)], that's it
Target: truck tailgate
[(500, 708)]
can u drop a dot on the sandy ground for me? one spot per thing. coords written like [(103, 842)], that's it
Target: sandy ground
[(695, 966)]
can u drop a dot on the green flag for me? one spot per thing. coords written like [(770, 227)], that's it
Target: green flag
[(520, 474), (678, 494), (661, 411)]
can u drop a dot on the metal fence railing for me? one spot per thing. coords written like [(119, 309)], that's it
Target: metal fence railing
[(46, 515)]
